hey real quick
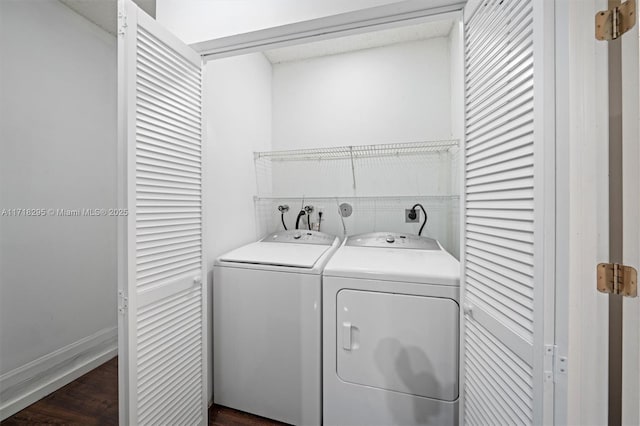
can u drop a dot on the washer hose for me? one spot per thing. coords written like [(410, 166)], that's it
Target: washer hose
[(282, 219), (298, 218)]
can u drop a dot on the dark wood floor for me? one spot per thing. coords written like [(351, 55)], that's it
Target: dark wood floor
[(93, 400)]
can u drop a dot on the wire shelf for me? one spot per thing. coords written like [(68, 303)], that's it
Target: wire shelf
[(359, 151), (435, 198), (379, 181)]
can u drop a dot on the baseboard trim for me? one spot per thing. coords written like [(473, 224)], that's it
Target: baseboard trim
[(31, 382)]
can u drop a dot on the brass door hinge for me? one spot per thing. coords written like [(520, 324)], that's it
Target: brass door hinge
[(612, 23), (617, 279)]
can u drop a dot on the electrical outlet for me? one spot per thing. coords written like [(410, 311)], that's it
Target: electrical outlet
[(407, 219)]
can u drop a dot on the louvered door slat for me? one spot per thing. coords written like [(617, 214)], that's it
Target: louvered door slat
[(501, 214), (149, 116), (164, 354), (512, 149), (500, 89), (167, 111), (154, 96), (507, 41), (496, 283)]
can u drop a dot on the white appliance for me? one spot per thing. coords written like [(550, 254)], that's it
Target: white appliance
[(267, 326), (390, 332)]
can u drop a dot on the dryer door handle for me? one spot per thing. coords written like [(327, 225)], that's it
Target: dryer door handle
[(346, 335)]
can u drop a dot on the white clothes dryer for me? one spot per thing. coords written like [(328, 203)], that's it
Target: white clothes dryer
[(267, 313), (390, 332)]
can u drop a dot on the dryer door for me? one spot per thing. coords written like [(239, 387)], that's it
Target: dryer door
[(398, 342)]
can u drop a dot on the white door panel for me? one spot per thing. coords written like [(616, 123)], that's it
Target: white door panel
[(505, 242), (162, 347)]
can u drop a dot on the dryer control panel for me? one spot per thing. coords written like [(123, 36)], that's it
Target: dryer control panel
[(300, 236), (393, 240)]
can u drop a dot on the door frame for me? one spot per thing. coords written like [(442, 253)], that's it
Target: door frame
[(403, 13), (546, 348), (417, 11), (125, 116), (583, 216), (631, 220)]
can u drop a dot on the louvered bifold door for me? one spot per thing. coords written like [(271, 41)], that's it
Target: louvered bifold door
[(503, 218), (161, 293)]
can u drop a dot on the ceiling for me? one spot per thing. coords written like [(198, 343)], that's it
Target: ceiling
[(369, 40), (103, 12)]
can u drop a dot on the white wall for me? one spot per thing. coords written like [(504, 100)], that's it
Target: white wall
[(237, 113), (200, 20), (391, 94), (237, 94), (396, 93), (57, 150), (425, 108)]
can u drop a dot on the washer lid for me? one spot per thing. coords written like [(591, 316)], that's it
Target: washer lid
[(417, 266), (283, 250)]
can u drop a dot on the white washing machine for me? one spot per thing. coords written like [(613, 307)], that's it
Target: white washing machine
[(267, 326), (390, 332)]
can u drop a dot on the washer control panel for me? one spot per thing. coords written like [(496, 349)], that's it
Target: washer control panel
[(393, 240), (300, 236)]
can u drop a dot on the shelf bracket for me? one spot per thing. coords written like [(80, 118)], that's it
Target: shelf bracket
[(353, 168)]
